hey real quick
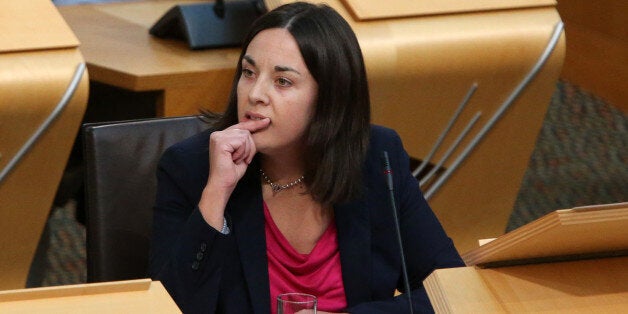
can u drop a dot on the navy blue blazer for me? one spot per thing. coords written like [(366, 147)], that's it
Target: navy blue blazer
[(208, 272)]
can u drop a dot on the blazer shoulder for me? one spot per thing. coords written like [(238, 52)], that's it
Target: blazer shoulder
[(383, 137), (380, 130)]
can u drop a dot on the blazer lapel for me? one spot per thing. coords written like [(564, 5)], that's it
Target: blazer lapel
[(354, 242), (246, 211)]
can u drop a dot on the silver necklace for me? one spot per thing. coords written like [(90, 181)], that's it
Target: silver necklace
[(278, 187)]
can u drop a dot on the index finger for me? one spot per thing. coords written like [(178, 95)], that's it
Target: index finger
[(251, 125)]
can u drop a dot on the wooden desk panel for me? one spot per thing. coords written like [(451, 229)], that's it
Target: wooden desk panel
[(132, 296), (586, 286), (566, 234), (369, 9), (597, 49), (38, 61), (543, 280), (120, 52), (33, 25)]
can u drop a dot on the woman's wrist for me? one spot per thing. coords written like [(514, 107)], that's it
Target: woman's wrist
[(212, 206)]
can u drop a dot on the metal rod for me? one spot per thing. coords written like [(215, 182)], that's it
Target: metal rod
[(65, 99), (451, 149), (440, 139), (558, 29)]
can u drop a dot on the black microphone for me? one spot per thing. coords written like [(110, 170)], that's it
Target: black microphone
[(391, 193), (219, 8)]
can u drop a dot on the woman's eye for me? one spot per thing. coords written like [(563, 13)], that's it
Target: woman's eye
[(247, 72), (282, 81)]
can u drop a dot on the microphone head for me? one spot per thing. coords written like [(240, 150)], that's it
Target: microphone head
[(387, 170), (386, 162)]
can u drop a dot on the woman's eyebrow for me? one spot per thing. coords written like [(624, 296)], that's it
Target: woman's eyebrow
[(249, 59), (278, 68), (283, 68)]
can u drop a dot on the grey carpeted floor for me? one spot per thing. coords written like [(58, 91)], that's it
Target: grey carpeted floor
[(65, 262), (581, 158)]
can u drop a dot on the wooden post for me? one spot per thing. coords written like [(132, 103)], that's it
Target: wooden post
[(43, 95)]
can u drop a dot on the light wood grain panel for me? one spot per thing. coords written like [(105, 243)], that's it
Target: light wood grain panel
[(74, 290), (597, 48), (34, 75), (115, 41), (32, 25), (32, 84), (609, 17), (137, 296), (567, 233), (586, 286), (469, 291), (193, 99), (120, 52), (368, 9)]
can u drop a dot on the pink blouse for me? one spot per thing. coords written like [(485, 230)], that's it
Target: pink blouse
[(317, 273)]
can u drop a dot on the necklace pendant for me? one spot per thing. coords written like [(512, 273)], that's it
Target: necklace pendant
[(276, 187)]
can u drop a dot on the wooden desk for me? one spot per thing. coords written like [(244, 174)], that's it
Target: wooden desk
[(132, 296), (120, 52), (542, 281), (585, 286)]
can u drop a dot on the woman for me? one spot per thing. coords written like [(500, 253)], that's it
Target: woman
[(286, 192)]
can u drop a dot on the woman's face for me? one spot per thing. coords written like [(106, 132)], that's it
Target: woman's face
[(275, 83)]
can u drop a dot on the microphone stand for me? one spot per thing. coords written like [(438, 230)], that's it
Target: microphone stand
[(393, 206)]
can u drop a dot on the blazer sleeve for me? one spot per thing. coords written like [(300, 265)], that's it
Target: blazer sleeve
[(187, 254), (426, 245)]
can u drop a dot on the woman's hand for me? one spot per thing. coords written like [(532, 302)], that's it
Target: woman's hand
[(230, 153)]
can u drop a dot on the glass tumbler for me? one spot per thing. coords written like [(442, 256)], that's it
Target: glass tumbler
[(290, 303)]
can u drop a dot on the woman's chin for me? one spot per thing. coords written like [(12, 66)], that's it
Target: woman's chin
[(260, 141)]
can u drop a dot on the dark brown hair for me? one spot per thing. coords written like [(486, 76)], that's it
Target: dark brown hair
[(338, 135)]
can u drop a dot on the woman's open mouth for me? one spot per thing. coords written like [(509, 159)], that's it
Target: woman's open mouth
[(253, 116)]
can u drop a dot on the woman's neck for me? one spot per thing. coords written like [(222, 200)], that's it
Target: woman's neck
[(282, 168)]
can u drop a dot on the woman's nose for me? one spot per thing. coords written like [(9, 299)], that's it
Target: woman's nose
[(258, 95)]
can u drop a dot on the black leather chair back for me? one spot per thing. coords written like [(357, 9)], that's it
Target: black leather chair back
[(120, 167)]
